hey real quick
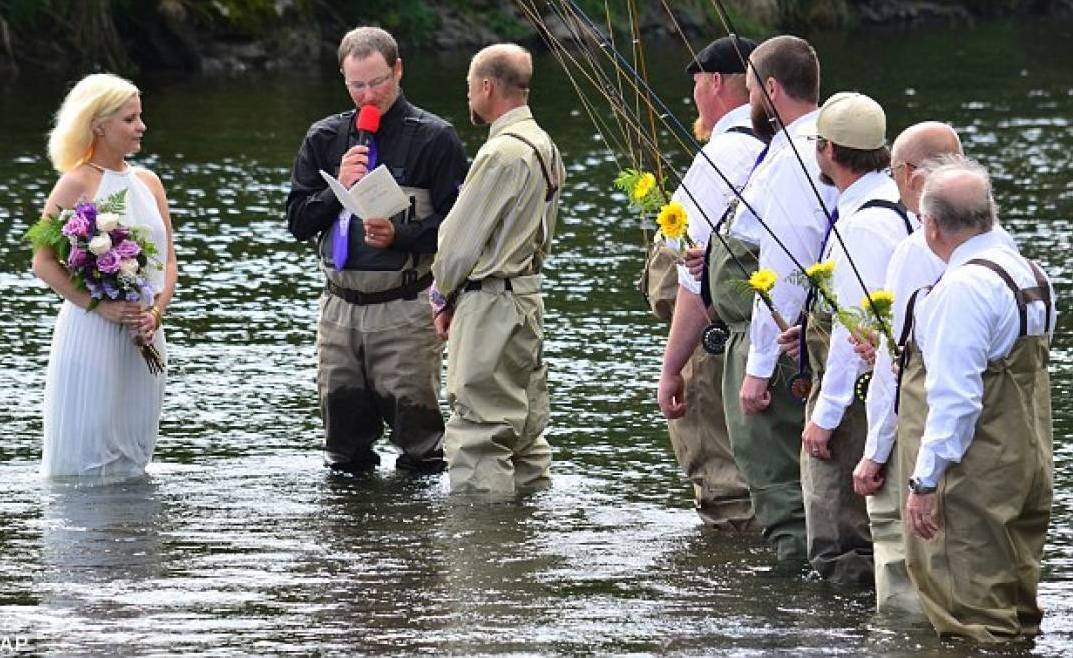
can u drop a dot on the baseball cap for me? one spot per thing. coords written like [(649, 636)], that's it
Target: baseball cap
[(852, 120)]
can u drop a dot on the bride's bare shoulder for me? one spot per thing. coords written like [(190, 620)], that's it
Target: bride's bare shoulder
[(73, 186)]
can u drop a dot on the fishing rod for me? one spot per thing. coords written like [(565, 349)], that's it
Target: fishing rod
[(653, 97), (618, 104), (724, 17)]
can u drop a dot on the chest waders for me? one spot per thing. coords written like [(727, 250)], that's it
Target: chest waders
[(979, 577)]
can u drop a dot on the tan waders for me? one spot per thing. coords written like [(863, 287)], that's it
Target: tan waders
[(766, 446), (839, 539), (379, 364), (894, 591), (700, 439), (497, 389), (979, 577)]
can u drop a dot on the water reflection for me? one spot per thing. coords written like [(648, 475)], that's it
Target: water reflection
[(100, 543)]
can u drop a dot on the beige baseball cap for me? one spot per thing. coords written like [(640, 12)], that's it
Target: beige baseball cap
[(852, 120)]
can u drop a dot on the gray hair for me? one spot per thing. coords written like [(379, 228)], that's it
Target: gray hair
[(957, 195), (364, 41)]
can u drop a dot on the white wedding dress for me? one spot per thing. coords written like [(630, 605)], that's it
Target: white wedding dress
[(102, 405)]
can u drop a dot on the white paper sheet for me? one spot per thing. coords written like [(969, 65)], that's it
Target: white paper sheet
[(375, 195)]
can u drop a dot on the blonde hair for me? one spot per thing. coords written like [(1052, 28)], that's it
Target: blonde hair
[(94, 99)]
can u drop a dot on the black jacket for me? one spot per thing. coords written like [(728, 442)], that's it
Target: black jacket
[(433, 160)]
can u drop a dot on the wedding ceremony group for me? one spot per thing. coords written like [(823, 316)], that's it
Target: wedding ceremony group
[(856, 368)]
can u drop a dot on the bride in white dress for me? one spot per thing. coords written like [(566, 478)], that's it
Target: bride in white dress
[(102, 405)]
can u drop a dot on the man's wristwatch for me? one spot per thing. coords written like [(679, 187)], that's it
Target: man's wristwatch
[(919, 488)]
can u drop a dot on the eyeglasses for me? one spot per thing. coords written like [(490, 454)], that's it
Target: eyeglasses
[(893, 170), (358, 87)]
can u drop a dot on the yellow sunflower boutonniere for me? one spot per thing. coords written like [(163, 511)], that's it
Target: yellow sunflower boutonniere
[(673, 223), (642, 189), (646, 182), (762, 282), (877, 315)]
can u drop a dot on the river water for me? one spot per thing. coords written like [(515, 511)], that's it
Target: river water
[(239, 542)]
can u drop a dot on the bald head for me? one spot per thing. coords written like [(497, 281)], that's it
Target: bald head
[(913, 149), (509, 65), (924, 141), (957, 197)]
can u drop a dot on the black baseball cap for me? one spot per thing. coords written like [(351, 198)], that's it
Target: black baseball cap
[(720, 56)]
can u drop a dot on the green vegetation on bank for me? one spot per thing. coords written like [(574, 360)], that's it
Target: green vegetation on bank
[(125, 35)]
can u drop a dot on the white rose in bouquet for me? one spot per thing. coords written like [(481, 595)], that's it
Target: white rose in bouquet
[(107, 221), (100, 244), (129, 267)]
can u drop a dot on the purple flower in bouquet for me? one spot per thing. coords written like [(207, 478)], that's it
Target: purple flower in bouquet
[(87, 211), (94, 288), (119, 234), (126, 248), (77, 226), (108, 262), (133, 296), (109, 289), (76, 259)]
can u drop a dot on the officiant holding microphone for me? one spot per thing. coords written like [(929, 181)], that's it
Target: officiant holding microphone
[(378, 354)]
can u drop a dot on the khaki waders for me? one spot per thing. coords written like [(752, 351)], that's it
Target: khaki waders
[(700, 438), (767, 446), (839, 539), (379, 364), (979, 576), (894, 591), (497, 389)]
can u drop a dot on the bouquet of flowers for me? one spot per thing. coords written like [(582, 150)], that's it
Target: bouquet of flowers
[(875, 313), (105, 255)]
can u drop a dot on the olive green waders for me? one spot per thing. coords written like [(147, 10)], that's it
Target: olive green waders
[(979, 576), (836, 519), (767, 446), (497, 389), (700, 439)]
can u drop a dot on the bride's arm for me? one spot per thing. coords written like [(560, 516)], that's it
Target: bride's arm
[(171, 269), (46, 266)]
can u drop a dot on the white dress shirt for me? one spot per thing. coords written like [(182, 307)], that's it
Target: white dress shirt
[(913, 266), (780, 192), (870, 235), (969, 320), (733, 153)]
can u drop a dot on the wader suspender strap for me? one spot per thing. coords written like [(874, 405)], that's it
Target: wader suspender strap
[(744, 130), (409, 128), (1023, 296), (551, 186), (903, 342), (1041, 281), (896, 206)]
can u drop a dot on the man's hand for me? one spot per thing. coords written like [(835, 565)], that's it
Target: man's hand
[(816, 439), (755, 397), (790, 341), (693, 259), (864, 344), (379, 232), (671, 396), (867, 477), (354, 165), (921, 516), (442, 323)]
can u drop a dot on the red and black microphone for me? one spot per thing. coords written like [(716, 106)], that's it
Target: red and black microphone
[(367, 123)]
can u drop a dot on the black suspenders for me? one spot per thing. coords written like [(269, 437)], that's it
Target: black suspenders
[(896, 206)]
